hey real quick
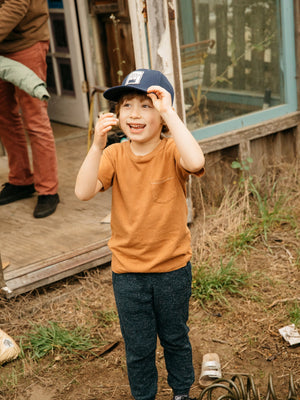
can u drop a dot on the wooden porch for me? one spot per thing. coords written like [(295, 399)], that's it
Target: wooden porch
[(36, 252)]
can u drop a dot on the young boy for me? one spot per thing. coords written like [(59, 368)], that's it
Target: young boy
[(150, 240)]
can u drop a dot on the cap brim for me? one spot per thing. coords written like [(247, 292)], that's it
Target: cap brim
[(115, 93)]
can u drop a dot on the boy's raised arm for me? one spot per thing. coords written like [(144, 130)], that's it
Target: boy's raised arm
[(192, 157), (87, 182)]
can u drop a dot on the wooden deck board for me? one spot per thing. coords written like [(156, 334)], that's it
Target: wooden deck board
[(41, 251)]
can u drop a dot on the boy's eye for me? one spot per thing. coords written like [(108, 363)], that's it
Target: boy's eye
[(146, 105)]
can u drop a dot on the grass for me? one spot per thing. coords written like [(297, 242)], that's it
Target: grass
[(294, 314), (106, 318), (52, 338), (8, 381), (243, 240), (265, 213), (271, 216), (210, 284), (246, 219), (258, 226)]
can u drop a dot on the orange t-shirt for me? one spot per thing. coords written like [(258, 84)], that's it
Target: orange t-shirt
[(149, 209)]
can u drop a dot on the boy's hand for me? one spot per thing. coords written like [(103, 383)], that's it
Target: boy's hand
[(103, 126), (160, 97)]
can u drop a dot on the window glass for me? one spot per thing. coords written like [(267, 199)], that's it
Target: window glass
[(230, 55), (55, 4), (59, 32), (66, 78), (51, 86)]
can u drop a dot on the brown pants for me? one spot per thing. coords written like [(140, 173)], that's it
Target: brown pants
[(35, 121)]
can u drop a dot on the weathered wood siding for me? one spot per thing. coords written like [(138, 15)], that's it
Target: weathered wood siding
[(270, 145)]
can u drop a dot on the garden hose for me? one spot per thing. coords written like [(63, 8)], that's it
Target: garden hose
[(237, 389)]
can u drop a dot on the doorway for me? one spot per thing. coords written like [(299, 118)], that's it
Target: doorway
[(114, 30), (66, 76)]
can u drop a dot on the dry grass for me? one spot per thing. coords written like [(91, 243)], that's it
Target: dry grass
[(238, 209)]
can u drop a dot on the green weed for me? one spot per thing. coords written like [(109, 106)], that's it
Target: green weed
[(269, 216), (214, 284), (271, 211), (8, 381), (243, 166), (42, 340), (106, 318), (243, 241), (294, 313)]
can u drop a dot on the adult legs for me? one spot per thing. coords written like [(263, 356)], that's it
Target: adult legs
[(13, 136), (36, 123)]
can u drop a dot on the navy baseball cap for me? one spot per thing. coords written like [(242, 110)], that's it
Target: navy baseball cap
[(139, 80)]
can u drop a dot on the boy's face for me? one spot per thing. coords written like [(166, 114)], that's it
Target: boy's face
[(139, 119)]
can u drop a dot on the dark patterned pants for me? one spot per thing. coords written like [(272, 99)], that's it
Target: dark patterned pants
[(151, 305)]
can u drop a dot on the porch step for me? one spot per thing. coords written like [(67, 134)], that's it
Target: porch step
[(44, 272)]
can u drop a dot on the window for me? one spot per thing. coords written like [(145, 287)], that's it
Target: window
[(238, 62), (60, 72)]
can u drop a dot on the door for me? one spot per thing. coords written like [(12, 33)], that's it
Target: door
[(114, 27), (66, 78)]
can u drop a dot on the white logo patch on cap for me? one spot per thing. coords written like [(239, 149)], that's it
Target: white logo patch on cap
[(134, 78)]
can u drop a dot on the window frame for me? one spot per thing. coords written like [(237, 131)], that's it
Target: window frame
[(288, 64)]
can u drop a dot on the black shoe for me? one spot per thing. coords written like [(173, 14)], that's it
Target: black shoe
[(46, 205), (11, 193)]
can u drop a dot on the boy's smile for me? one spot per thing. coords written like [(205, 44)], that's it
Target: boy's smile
[(136, 128), (141, 123)]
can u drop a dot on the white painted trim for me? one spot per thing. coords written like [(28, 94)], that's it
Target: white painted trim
[(83, 17), (91, 51), (69, 109), (138, 34), (177, 70)]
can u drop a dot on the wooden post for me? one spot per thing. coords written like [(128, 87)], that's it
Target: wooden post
[(221, 39), (163, 44), (176, 60), (297, 41), (138, 27), (297, 141), (238, 26), (158, 36), (257, 55), (244, 150), (204, 34)]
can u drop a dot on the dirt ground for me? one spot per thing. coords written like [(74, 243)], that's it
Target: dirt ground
[(243, 331)]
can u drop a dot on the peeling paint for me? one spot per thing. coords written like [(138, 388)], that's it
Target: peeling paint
[(164, 51)]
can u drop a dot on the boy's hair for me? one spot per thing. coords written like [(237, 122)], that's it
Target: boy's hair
[(131, 95)]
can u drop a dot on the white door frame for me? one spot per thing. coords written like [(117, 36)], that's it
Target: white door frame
[(66, 108)]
